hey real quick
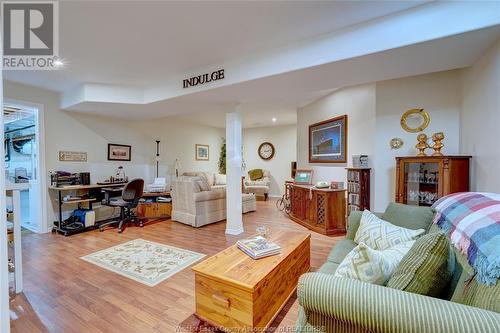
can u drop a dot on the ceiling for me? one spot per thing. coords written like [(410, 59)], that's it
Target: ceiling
[(143, 43), (127, 60)]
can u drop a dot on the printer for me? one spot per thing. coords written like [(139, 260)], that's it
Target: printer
[(159, 185)]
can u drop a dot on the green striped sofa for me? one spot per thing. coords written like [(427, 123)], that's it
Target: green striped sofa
[(331, 304)]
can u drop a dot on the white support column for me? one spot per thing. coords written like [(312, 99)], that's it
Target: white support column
[(234, 224), (4, 272), (18, 251)]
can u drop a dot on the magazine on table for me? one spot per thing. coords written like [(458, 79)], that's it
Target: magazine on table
[(258, 247)]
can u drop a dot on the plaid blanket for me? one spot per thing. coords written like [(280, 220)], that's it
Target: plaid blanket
[(472, 222)]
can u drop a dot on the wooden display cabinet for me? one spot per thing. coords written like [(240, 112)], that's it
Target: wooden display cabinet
[(321, 210), (420, 181)]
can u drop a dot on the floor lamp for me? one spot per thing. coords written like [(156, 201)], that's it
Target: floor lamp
[(157, 158)]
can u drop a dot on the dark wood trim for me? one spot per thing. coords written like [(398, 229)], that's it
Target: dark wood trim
[(344, 160)]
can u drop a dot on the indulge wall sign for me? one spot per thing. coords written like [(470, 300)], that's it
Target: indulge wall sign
[(203, 78)]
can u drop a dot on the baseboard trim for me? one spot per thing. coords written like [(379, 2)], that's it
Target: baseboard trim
[(234, 231)]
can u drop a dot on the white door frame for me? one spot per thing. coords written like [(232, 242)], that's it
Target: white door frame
[(4, 273), (41, 174)]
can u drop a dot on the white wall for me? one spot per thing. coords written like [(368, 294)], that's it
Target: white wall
[(374, 112), (284, 139), (358, 103), (178, 139), (89, 133), (439, 95), (480, 119)]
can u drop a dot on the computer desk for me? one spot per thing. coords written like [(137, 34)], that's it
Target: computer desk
[(77, 188), (106, 188)]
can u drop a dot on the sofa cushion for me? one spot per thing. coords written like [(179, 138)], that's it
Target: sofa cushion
[(220, 179), (372, 266), (380, 235), (209, 176), (410, 217), (424, 269), (328, 268), (340, 250), (247, 197), (203, 184), (477, 294), (353, 223), (189, 174), (255, 174), (257, 183), (213, 194)]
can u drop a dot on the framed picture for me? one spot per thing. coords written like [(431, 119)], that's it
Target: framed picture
[(119, 152), (202, 152), (72, 156), (328, 141), (303, 176)]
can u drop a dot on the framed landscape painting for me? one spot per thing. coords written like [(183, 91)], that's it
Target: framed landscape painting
[(202, 152), (328, 141), (119, 152)]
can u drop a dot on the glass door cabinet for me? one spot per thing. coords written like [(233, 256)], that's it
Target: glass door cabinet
[(421, 181)]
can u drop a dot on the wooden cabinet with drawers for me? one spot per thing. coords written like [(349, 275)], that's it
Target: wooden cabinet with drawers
[(321, 210), (151, 210)]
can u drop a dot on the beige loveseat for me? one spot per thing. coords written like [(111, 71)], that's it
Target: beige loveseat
[(195, 207)]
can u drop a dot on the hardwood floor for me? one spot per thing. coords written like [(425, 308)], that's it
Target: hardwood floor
[(66, 294)]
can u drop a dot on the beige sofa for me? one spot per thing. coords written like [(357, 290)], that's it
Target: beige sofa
[(192, 206), (260, 186)]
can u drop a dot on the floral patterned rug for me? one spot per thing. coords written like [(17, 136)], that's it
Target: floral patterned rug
[(144, 261)]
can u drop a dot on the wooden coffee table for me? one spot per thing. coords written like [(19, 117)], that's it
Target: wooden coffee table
[(235, 292)]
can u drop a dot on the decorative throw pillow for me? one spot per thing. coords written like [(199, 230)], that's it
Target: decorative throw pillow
[(203, 184), (255, 174), (220, 179), (209, 176), (380, 235), (424, 269), (372, 266)]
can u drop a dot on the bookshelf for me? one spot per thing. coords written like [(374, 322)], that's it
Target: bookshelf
[(358, 189)]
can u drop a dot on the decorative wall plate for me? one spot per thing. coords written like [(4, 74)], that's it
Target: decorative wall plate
[(396, 143)]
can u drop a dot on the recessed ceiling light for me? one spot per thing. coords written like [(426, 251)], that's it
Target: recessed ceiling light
[(274, 119)]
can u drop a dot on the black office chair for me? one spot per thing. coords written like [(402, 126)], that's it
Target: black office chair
[(131, 194)]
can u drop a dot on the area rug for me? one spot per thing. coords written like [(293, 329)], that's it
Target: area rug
[(144, 261)]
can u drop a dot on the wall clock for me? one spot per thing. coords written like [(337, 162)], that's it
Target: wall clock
[(266, 150)]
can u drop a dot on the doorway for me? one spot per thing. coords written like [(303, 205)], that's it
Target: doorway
[(23, 160)]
